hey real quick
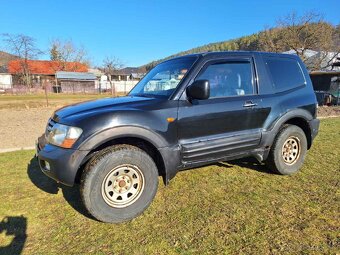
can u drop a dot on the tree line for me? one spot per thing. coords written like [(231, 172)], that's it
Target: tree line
[(292, 32)]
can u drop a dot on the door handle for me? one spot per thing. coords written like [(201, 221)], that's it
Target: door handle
[(249, 104)]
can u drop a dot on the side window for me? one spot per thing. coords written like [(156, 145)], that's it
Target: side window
[(228, 79), (285, 72)]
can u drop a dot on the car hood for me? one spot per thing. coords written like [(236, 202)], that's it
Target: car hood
[(101, 105)]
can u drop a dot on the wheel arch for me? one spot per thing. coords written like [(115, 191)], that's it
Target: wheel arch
[(298, 117), (135, 136)]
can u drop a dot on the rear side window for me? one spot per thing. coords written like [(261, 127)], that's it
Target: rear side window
[(286, 73)]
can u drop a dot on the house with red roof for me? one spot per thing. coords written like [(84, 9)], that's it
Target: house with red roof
[(41, 70), (59, 76), (45, 67)]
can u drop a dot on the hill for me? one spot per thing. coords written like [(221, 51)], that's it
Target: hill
[(5, 58), (249, 43), (274, 39)]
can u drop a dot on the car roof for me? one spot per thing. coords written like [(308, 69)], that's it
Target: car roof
[(230, 53)]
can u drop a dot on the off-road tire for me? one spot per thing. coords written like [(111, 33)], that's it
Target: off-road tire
[(96, 171), (276, 161)]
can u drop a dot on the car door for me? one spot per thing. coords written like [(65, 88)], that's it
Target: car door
[(227, 123)]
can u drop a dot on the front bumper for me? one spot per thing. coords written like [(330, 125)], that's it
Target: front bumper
[(63, 164)]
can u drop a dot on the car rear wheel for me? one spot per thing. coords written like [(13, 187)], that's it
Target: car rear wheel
[(119, 183), (288, 151)]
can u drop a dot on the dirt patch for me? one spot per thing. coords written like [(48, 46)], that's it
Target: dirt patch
[(20, 128), (328, 111)]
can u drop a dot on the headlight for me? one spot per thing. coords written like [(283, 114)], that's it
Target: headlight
[(63, 136)]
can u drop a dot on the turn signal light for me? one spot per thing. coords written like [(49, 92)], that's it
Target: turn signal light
[(68, 143)]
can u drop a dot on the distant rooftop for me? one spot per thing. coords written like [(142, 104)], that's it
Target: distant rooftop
[(330, 61), (128, 71), (307, 53), (75, 76), (45, 67)]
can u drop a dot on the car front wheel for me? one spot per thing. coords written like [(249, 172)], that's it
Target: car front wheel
[(119, 183)]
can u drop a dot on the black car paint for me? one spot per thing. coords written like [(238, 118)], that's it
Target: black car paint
[(204, 131)]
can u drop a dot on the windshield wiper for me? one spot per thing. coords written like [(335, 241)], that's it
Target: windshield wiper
[(144, 95)]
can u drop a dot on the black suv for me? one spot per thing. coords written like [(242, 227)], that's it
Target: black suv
[(186, 112)]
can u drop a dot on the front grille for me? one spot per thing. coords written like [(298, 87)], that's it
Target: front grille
[(49, 126)]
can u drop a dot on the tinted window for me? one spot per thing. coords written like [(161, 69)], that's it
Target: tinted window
[(285, 72), (228, 79)]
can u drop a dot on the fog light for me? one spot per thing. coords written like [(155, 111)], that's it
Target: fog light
[(47, 166)]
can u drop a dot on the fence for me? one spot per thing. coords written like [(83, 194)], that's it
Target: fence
[(96, 87), (119, 86)]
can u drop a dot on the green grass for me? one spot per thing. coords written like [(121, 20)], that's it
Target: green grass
[(39, 100), (227, 208)]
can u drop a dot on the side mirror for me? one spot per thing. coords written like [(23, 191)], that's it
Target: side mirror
[(200, 90)]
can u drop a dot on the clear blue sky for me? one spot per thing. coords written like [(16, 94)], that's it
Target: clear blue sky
[(144, 30)]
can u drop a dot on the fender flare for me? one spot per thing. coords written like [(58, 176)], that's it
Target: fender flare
[(269, 135), (106, 135)]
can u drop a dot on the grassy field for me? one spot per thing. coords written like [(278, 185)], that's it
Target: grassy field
[(227, 208), (39, 100)]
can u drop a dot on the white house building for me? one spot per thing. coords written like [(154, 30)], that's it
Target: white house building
[(5, 79)]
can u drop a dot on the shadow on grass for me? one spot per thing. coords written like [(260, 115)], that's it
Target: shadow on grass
[(250, 163), (14, 226), (46, 184)]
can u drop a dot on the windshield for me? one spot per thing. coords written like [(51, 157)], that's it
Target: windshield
[(163, 79), (335, 87)]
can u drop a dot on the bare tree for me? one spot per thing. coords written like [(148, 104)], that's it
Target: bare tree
[(66, 51), (302, 33), (24, 48), (110, 66)]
